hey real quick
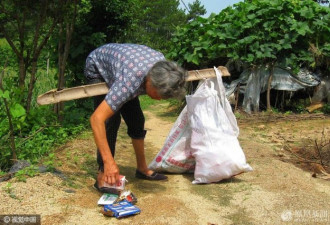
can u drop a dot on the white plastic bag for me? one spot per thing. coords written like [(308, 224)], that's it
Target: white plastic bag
[(214, 132), (203, 139), (175, 156)]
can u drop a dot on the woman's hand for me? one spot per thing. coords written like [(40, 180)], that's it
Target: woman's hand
[(111, 173)]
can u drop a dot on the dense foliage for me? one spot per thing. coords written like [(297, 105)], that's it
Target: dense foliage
[(288, 32), (151, 23), (48, 38), (155, 23), (35, 42)]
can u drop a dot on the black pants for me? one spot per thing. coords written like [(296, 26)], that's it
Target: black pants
[(134, 119)]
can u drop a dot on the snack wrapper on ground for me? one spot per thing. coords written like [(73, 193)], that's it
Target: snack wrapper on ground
[(107, 199), (120, 209), (128, 196), (120, 186)]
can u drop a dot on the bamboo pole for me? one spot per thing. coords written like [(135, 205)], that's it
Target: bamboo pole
[(84, 91)]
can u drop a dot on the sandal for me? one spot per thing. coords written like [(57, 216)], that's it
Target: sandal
[(106, 189), (153, 176)]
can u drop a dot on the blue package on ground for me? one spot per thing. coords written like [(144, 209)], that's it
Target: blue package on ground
[(121, 209)]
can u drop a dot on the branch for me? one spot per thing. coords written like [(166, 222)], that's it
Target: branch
[(2, 74), (40, 20), (319, 153), (31, 136), (11, 127), (44, 41), (10, 42), (69, 31), (21, 32), (2, 27)]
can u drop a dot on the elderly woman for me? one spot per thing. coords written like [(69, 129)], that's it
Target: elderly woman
[(129, 70)]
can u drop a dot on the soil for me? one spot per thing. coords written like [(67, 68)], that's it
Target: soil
[(287, 185)]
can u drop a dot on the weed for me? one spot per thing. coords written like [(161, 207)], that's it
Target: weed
[(239, 115), (275, 110), (263, 135), (89, 165), (220, 192), (70, 182), (36, 131), (288, 113), (326, 109), (68, 155), (242, 187), (49, 162), (76, 159), (254, 135), (85, 135), (29, 171), (146, 102), (10, 190), (240, 217), (173, 107)]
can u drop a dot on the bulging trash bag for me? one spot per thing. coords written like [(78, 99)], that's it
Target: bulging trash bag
[(203, 139), (214, 131), (176, 156)]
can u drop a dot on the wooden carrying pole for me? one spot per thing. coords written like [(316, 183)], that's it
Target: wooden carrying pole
[(55, 96)]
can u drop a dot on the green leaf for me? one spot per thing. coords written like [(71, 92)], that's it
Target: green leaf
[(247, 25), (250, 58), (286, 45), (259, 55), (211, 32), (306, 12), (251, 16), (17, 111), (301, 27), (195, 43), (195, 60), (4, 94)]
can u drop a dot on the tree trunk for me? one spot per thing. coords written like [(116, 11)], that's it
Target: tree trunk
[(256, 107), (237, 96), (63, 53), (271, 73), (58, 107), (22, 72), (31, 86)]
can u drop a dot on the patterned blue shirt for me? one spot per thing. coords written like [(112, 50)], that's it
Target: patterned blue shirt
[(124, 68)]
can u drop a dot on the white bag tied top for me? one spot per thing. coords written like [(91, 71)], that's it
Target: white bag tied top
[(204, 140)]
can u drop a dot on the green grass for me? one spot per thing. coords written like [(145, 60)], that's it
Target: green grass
[(89, 165), (9, 189), (240, 217), (146, 102), (166, 109), (45, 82), (219, 193)]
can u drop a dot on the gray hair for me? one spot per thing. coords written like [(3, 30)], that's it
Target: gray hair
[(169, 79)]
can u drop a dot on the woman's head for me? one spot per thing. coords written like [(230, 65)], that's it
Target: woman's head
[(168, 79)]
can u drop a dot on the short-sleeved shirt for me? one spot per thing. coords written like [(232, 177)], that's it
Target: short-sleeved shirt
[(124, 68)]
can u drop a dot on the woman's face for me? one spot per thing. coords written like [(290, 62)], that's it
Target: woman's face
[(151, 90)]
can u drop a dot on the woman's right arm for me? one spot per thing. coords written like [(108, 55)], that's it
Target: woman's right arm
[(97, 120)]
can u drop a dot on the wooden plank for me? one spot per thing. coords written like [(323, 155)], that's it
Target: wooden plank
[(206, 73), (315, 106), (84, 91)]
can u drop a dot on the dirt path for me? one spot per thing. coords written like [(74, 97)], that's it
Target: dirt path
[(276, 192)]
